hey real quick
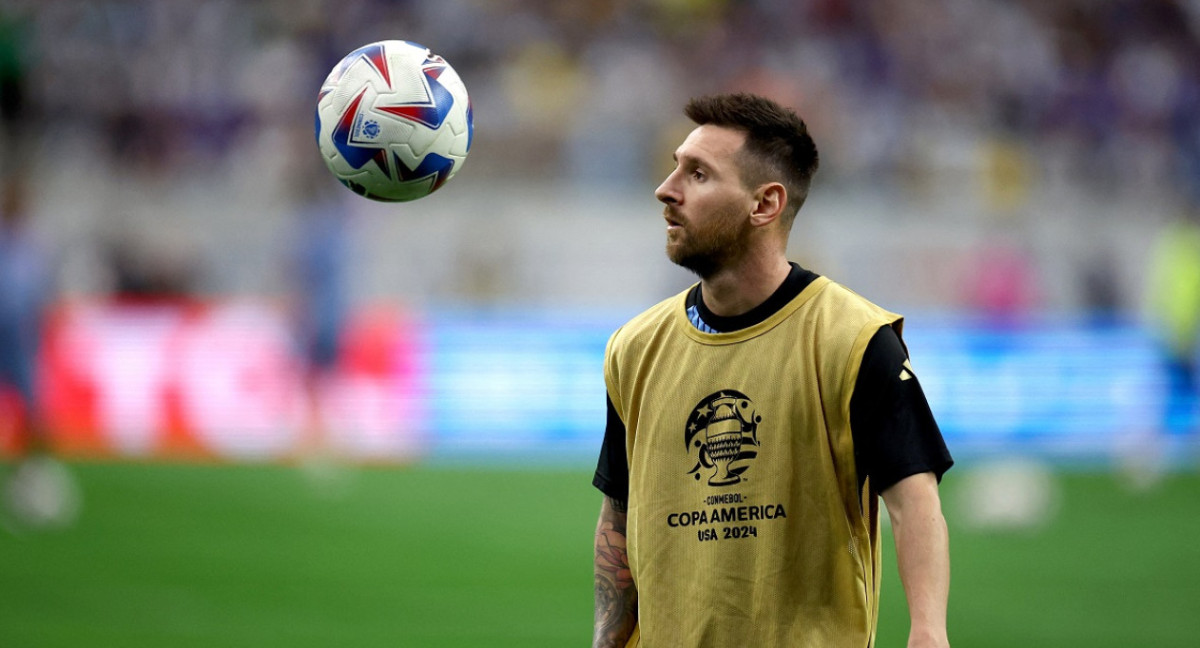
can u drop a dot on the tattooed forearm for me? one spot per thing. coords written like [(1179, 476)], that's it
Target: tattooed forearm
[(616, 596)]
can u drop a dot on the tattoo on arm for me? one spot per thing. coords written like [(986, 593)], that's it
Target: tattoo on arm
[(616, 596)]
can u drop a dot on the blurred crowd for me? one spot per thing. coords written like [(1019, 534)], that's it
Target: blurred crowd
[(1096, 98), (1100, 91)]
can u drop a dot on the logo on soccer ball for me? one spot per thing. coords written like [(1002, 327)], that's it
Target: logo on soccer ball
[(370, 130), (723, 430)]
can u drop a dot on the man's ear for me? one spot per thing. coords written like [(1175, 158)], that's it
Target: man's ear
[(771, 199)]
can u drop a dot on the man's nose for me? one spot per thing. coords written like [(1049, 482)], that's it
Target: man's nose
[(666, 191)]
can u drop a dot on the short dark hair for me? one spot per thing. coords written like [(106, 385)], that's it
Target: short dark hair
[(778, 146)]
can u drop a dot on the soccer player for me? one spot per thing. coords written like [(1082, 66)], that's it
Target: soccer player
[(753, 422), (318, 268), (39, 492)]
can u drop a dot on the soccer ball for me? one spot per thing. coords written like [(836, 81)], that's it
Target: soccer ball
[(394, 122)]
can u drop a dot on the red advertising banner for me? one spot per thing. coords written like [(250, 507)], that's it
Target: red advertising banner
[(225, 380)]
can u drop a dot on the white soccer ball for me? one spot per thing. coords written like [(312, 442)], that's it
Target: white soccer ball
[(394, 121)]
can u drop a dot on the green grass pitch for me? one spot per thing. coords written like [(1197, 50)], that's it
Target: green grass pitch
[(204, 555)]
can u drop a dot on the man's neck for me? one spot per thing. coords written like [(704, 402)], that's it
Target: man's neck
[(737, 290)]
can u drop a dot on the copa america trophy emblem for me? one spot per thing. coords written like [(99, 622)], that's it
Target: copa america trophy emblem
[(722, 426)]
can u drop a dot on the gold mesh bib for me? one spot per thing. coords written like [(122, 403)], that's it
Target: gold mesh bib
[(746, 523)]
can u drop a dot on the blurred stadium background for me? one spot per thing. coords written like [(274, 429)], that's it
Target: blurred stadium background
[(1020, 178)]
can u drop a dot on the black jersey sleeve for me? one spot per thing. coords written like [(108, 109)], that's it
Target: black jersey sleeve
[(612, 469), (895, 434)]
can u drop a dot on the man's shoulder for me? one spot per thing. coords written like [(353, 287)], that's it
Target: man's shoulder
[(848, 304)]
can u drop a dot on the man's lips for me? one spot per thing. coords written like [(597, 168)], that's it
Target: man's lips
[(672, 220)]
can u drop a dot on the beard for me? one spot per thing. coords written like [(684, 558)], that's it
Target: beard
[(705, 251)]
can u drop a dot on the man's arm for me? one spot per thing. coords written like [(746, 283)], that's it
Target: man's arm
[(922, 556), (616, 597)]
